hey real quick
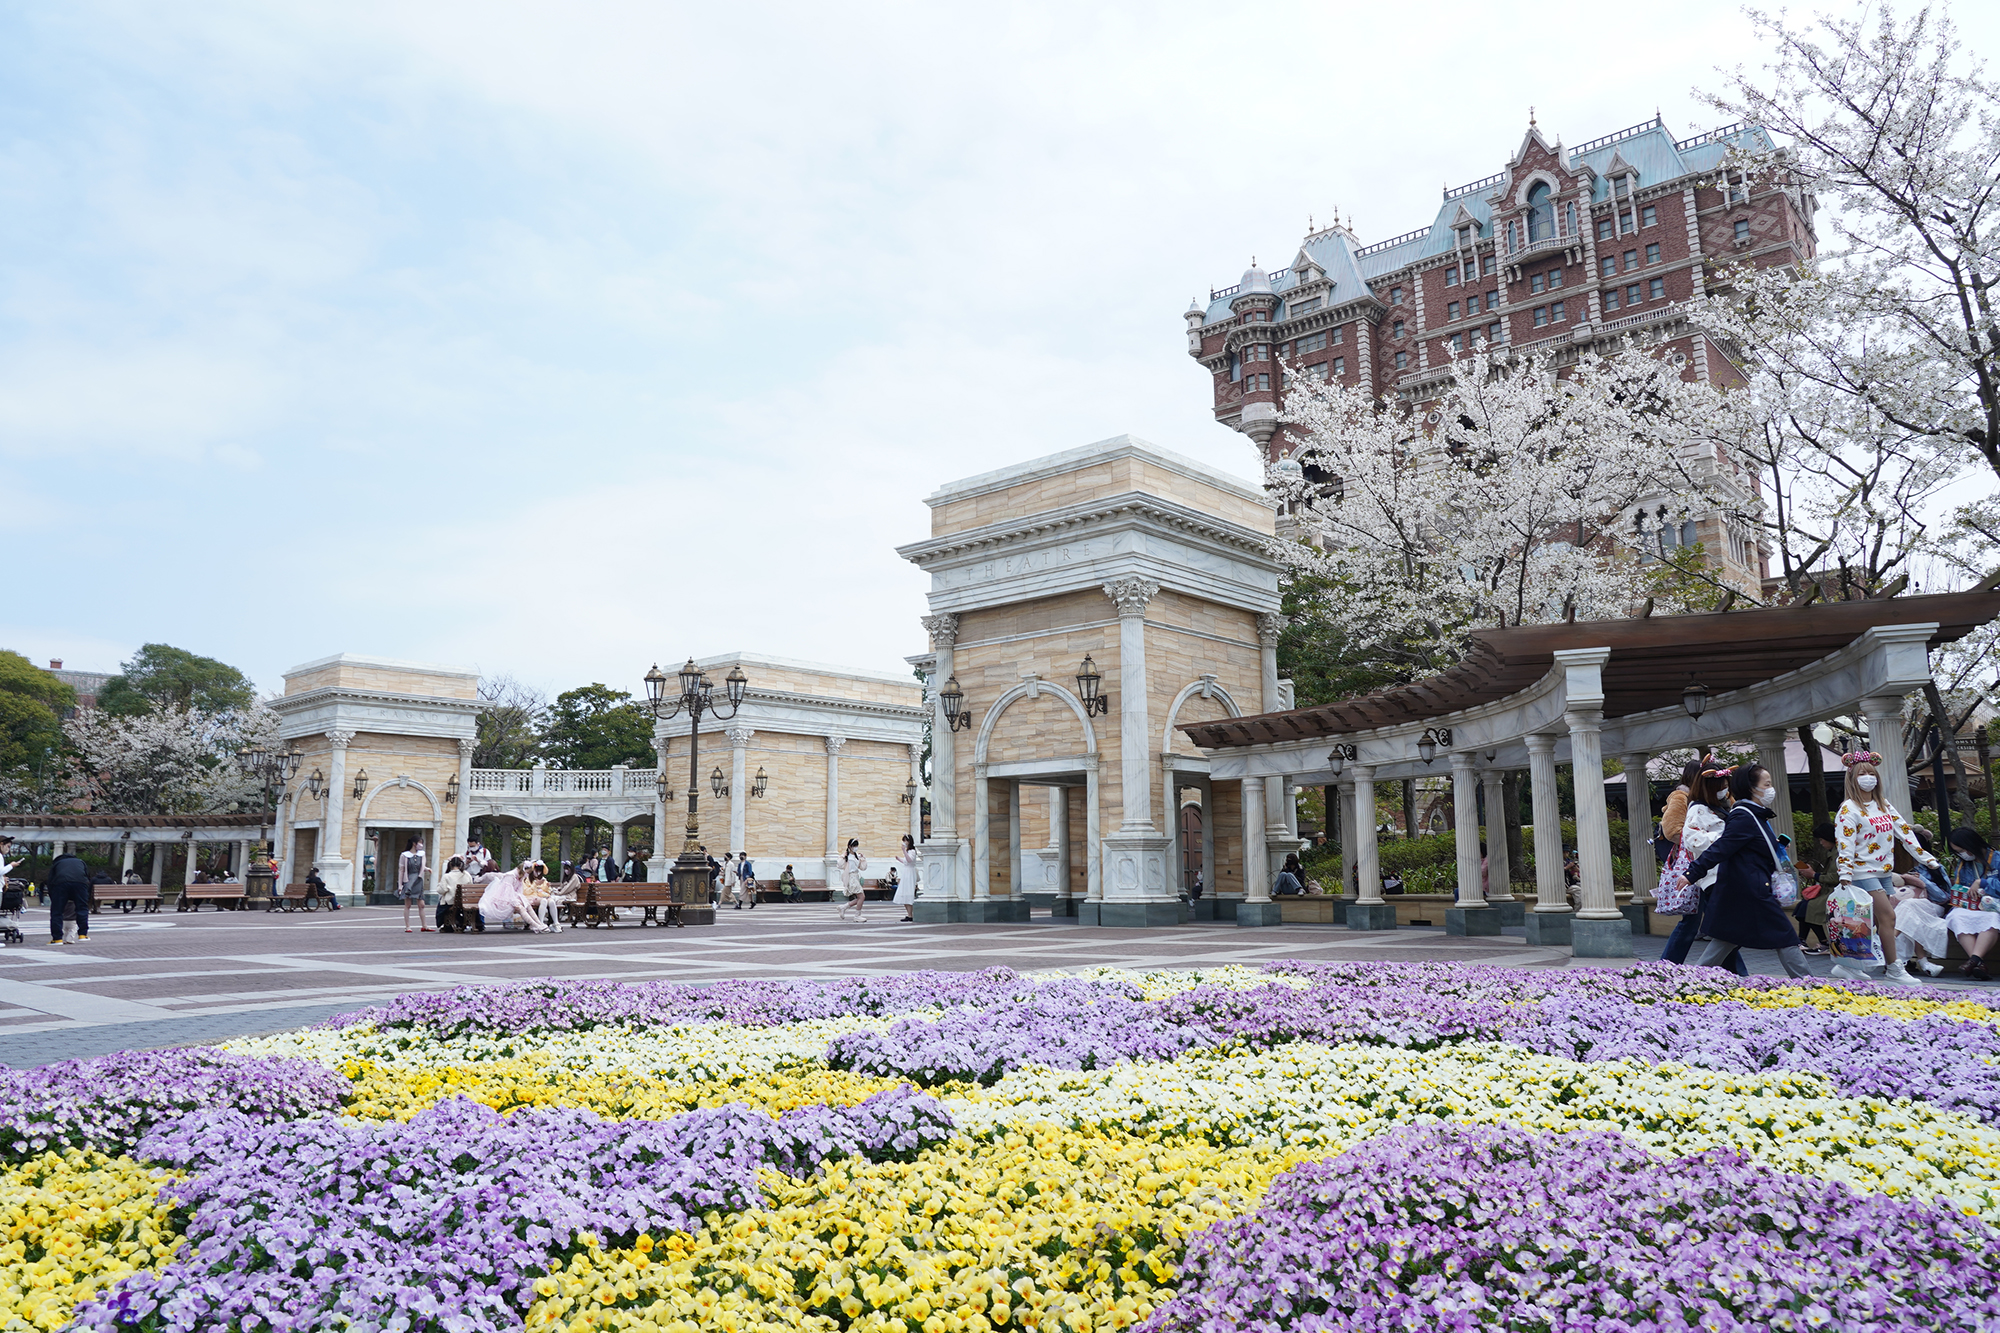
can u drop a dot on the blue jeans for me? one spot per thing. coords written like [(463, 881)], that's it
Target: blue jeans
[(1682, 939)]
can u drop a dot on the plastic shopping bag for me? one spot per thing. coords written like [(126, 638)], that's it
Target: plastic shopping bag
[(1850, 926), (1670, 901), (1785, 888)]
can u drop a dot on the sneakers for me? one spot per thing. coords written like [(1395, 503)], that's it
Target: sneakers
[(1846, 972), (58, 941), (1929, 968), (81, 937), (1813, 951), (1899, 975)]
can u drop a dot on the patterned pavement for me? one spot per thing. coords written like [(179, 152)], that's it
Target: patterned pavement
[(168, 980)]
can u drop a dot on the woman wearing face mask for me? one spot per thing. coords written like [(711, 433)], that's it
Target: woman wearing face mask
[(1698, 819), (1868, 829), (1975, 884), (1740, 912)]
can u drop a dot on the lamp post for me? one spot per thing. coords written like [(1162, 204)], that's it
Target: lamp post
[(272, 768), (696, 697)]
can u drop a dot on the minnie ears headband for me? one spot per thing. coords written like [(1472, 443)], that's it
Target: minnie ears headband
[(1853, 757)]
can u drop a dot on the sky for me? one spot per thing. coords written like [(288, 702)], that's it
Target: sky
[(557, 340)]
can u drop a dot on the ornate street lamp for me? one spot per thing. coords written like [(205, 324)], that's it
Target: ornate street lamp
[(361, 784), (316, 784), (953, 699), (759, 784), (909, 796), (696, 697), (1694, 698), (661, 785), (1433, 739), (451, 790), (1089, 680), (716, 784)]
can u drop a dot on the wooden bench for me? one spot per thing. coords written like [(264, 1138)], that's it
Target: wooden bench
[(125, 897), (194, 895), (293, 897), (601, 907), (460, 913)]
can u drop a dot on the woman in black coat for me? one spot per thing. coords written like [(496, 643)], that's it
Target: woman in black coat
[(1740, 911)]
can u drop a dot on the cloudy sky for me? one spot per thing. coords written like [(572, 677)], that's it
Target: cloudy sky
[(558, 339)]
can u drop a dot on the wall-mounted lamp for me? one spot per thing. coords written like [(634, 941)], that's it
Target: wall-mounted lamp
[(1337, 758), (1089, 686), (909, 796), (1694, 697), (759, 784), (716, 784), (1433, 740), (361, 784), (451, 791), (953, 698)]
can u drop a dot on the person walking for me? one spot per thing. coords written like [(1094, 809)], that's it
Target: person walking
[(852, 863), (68, 886), (607, 866), (746, 878), (410, 883), (1696, 816), (906, 888), (1815, 872), (1741, 912), (726, 891), (1867, 830)]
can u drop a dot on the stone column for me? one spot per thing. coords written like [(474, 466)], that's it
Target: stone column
[(1500, 887), (332, 863), (946, 889), (658, 862), (739, 790), (1639, 838), (1136, 891), (1281, 838), (1207, 788), (1884, 713), (1256, 904), (1550, 921), (982, 837), (189, 874), (917, 801), (1059, 839), (239, 858), (834, 842), (534, 842), (1600, 930), (1340, 799), (159, 863), (461, 827), (618, 843), (1771, 754), (1469, 915), (128, 860), (1368, 911), (1017, 884)]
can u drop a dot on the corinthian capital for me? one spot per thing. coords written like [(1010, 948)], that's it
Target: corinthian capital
[(740, 736), (339, 739), (943, 630), (1269, 626), (1131, 595)]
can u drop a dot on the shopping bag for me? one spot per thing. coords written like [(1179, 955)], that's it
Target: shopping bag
[(1785, 888), (1850, 926), (1671, 901)]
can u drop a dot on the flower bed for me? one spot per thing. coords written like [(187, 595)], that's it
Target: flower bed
[(1302, 1146)]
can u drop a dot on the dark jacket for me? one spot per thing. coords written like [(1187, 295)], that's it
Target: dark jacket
[(1740, 909), (68, 872)]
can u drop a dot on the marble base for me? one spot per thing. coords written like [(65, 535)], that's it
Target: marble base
[(1548, 928), (1260, 914), (1064, 907), (1601, 939), (1371, 916), (1129, 914), (1641, 917), (1213, 909), (1513, 911), (997, 909), (940, 911), (1471, 921)]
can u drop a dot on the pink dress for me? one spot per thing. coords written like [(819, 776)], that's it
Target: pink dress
[(503, 899)]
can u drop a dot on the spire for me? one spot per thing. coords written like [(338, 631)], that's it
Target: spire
[(1531, 115)]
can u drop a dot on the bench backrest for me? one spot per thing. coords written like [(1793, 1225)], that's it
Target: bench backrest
[(637, 895), (215, 890), (126, 890)]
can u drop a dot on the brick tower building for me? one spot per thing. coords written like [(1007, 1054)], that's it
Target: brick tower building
[(1565, 247)]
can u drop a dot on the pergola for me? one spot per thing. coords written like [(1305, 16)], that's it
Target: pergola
[(1542, 695), (161, 832)]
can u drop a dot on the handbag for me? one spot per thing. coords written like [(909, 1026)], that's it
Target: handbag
[(1784, 884)]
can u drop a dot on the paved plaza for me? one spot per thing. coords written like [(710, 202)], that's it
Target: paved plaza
[(146, 981)]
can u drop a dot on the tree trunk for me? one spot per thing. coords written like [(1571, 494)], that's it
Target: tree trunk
[(1816, 769), (1950, 742), (1409, 808)]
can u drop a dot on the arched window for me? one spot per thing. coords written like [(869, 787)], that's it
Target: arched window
[(1541, 220)]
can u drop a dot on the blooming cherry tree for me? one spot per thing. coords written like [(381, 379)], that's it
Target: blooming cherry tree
[(1501, 502), (173, 760)]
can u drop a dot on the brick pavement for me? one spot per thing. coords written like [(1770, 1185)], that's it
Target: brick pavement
[(147, 981)]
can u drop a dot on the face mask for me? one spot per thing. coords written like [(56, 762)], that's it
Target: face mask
[(1766, 795), (1964, 855), (1866, 782)]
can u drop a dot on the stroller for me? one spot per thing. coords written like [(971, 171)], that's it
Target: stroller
[(13, 902)]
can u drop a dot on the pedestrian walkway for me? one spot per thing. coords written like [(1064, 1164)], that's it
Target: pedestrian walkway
[(174, 980)]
